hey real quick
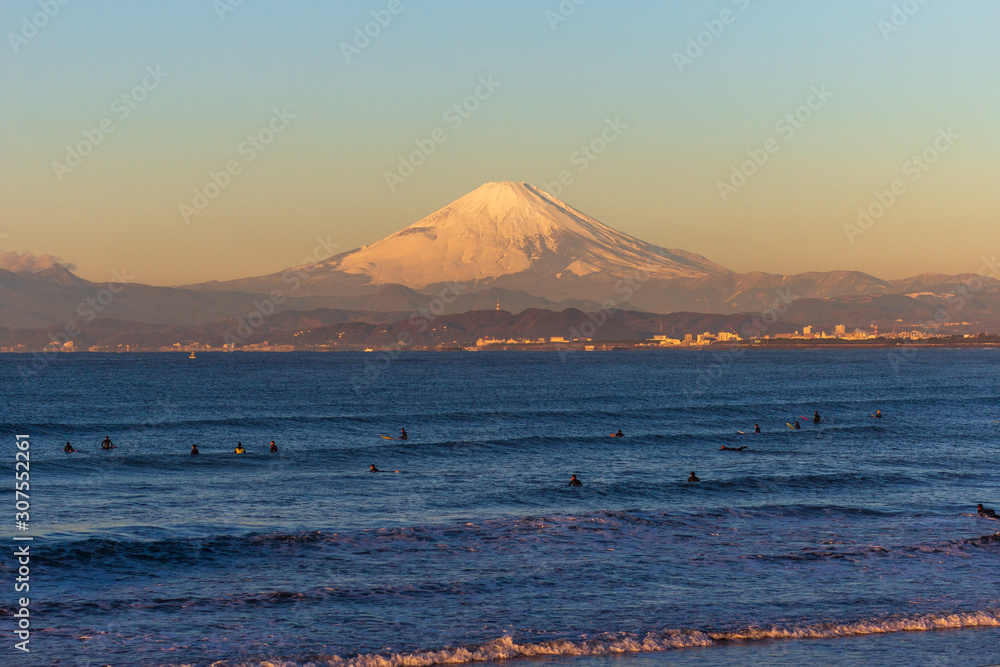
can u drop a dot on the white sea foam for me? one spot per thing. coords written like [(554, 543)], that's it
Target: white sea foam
[(867, 627), (506, 647)]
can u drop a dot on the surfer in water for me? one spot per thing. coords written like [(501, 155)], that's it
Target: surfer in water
[(239, 448), (731, 449), (619, 434), (693, 477), (816, 417), (756, 428), (878, 414), (106, 443), (194, 450), (69, 448), (573, 481), (274, 448), (402, 434), (374, 469), (985, 511), (796, 427)]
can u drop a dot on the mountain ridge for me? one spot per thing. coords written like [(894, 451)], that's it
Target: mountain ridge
[(509, 233), (503, 242), (504, 228)]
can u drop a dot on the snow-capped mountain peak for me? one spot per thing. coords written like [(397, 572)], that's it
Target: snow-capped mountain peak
[(505, 228)]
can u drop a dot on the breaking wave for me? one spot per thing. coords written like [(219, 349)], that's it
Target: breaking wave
[(623, 643)]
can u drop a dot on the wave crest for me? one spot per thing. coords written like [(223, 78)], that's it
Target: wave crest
[(506, 647)]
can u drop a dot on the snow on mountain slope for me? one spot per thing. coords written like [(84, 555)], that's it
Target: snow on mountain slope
[(508, 228)]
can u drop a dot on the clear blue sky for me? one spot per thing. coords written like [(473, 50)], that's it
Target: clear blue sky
[(679, 132)]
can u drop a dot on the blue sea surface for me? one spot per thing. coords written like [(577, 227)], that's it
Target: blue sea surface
[(851, 541)]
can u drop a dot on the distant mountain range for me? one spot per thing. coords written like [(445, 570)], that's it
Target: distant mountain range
[(325, 328), (512, 243), (506, 235)]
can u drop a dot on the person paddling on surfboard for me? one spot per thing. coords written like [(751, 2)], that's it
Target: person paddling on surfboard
[(573, 481), (402, 434), (69, 448), (733, 449), (985, 511), (106, 443), (374, 469), (693, 477)]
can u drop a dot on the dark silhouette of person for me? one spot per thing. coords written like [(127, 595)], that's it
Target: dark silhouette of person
[(878, 414), (985, 511), (815, 417), (194, 450), (619, 434), (402, 434), (274, 447), (106, 443), (374, 469), (756, 428), (239, 448), (69, 448), (693, 477), (733, 449), (573, 481), (796, 425)]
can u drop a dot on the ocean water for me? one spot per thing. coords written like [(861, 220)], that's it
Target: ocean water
[(854, 541)]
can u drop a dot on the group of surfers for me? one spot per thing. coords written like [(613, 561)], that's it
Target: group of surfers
[(985, 512), (239, 449), (107, 444), (796, 426)]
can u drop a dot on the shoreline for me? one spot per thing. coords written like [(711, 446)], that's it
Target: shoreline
[(611, 346)]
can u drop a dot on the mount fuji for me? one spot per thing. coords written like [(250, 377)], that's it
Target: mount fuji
[(504, 235), (514, 242), (517, 245), (505, 229)]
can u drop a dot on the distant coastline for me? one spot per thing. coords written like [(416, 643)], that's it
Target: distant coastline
[(943, 342)]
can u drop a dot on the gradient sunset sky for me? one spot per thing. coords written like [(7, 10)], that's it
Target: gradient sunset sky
[(666, 120)]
